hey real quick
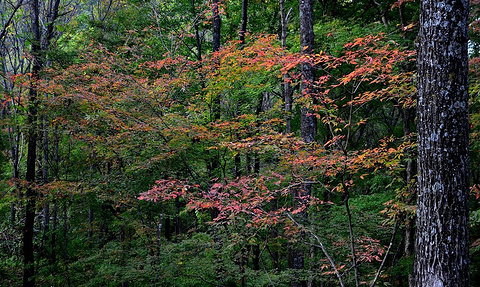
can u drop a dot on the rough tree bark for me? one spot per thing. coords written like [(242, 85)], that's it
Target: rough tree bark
[(442, 212), (308, 120)]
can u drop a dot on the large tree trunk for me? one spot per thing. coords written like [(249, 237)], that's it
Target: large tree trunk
[(442, 213)]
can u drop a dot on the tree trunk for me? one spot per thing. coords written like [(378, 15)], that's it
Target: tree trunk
[(442, 213), (53, 240), (215, 111), (15, 151), (352, 236), (28, 232), (409, 231), (287, 90), (65, 242), (216, 26), (65, 231), (198, 40), (159, 231), (308, 119), (168, 233), (177, 217), (243, 26), (46, 208), (46, 225), (90, 224)]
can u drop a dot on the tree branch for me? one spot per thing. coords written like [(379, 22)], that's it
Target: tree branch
[(386, 254), (4, 30), (322, 247)]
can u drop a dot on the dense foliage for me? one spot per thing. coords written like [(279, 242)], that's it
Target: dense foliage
[(162, 163)]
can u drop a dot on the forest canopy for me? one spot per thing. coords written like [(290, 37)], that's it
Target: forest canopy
[(214, 143)]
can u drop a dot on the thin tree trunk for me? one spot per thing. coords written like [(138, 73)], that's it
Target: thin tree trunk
[(216, 25), (46, 224), (159, 231), (287, 90), (198, 40), (16, 153), (408, 222), (256, 257), (28, 232), (241, 35), (46, 209), (256, 165), (177, 216), (308, 119), (90, 224), (56, 171), (215, 110), (310, 282), (237, 172), (243, 26), (168, 234), (65, 231), (216, 47), (243, 264), (53, 240), (15, 156), (248, 164), (65, 240)]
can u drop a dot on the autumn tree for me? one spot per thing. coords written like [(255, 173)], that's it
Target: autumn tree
[(442, 241)]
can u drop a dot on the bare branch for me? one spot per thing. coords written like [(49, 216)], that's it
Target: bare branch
[(322, 247)]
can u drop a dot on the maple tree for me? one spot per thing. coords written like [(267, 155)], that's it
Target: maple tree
[(241, 196)]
